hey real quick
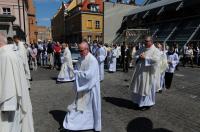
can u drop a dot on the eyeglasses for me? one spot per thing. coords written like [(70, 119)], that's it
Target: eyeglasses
[(147, 40)]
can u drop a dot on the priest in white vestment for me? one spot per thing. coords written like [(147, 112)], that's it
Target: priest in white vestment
[(113, 60), (66, 73), (163, 65), (22, 53), (145, 76), (85, 112), (101, 54), (15, 103)]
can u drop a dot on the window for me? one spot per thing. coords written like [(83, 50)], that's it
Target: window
[(94, 8), (6, 11), (97, 38), (89, 24), (97, 24), (97, 8), (89, 38)]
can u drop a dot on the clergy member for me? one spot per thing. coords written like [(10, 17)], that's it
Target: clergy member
[(22, 53), (101, 54), (163, 66), (113, 60), (173, 60), (143, 83), (66, 73), (85, 112), (15, 104)]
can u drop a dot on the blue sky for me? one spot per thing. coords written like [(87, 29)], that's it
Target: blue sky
[(45, 10)]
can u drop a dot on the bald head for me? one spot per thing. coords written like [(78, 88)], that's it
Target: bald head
[(3, 40), (84, 48), (84, 44)]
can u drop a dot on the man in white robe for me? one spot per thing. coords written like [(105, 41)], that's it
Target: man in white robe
[(143, 83), (85, 112), (20, 50), (15, 103), (173, 60), (163, 66), (113, 60), (101, 54), (66, 73), (94, 47)]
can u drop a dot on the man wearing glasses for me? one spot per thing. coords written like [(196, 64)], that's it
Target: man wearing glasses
[(146, 75), (85, 112)]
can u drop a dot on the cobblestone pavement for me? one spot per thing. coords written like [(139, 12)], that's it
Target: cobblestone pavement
[(176, 110)]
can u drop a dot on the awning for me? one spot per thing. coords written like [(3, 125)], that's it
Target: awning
[(7, 18)]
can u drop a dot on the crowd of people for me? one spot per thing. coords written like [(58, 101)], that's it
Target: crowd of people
[(191, 55), (154, 69), (154, 66), (43, 54)]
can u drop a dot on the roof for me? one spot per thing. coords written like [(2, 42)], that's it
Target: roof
[(152, 6)]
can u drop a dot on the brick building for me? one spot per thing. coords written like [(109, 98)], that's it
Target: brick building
[(32, 22), (58, 24), (44, 33)]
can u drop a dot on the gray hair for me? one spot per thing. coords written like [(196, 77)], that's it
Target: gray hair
[(149, 37), (85, 44)]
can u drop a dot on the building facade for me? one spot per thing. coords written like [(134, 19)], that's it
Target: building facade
[(85, 22), (92, 26), (58, 25), (32, 22), (16, 10), (44, 33), (84, 26), (82, 20)]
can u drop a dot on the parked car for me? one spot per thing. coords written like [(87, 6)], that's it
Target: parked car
[(75, 54)]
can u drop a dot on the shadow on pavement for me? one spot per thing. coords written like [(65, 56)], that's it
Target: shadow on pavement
[(121, 102), (59, 116), (142, 124), (65, 130), (54, 78)]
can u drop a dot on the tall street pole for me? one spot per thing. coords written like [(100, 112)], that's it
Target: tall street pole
[(23, 3)]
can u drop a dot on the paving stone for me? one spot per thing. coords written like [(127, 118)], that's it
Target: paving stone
[(177, 109)]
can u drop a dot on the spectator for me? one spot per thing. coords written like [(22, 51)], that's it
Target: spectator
[(57, 51)]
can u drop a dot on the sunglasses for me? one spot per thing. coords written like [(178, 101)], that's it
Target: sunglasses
[(81, 50), (147, 40)]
